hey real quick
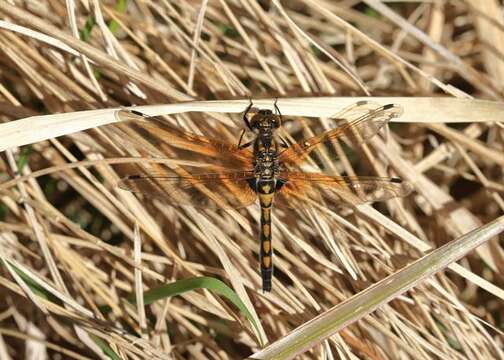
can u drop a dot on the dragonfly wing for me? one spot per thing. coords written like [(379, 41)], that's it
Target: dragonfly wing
[(175, 142), (297, 194), (211, 190), (356, 124), (305, 188)]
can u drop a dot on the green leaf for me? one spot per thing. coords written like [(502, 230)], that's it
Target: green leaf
[(228, 30), (105, 347), (85, 33), (315, 50), (121, 7), (23, 157), (34, 285), (3, 211), (204, 282), (371, 12)]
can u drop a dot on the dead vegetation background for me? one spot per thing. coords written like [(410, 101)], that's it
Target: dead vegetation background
[(93, 245)]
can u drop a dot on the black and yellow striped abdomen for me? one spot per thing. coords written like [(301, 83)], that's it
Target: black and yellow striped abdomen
[(266, 191)]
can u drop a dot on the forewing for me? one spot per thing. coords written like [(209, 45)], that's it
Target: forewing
[(356, 124), (174, 142), (212, 190), (310, 188)]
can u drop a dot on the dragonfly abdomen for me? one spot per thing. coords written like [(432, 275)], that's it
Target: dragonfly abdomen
[(266, 192)]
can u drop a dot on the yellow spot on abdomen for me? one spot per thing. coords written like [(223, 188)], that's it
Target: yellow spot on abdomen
[(265, 200), (266, 261), (265, 214), (266, 189), (266, 246), (266, 230)]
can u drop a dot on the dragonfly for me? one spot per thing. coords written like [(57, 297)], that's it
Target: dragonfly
[(267, 169)]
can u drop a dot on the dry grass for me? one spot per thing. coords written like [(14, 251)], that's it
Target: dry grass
[(75, 249)]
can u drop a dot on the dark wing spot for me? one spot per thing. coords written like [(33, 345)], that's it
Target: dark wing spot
[(137, 113), (279, 184), (133, 177), (252, 182)]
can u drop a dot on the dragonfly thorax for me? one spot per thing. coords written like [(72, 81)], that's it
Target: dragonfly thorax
[(266, 164), (265, 156)]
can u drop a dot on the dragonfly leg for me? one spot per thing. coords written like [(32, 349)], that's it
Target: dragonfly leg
[(246, 145), (245, 118), (277, 109), (241, 138), (240, 145), (284, 143)]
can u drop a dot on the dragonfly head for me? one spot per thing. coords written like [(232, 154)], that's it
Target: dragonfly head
[(265, 121)]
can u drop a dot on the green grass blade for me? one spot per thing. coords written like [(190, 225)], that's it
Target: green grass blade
[(204, 282), (107, 350), (23, 157), (351, 310)]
